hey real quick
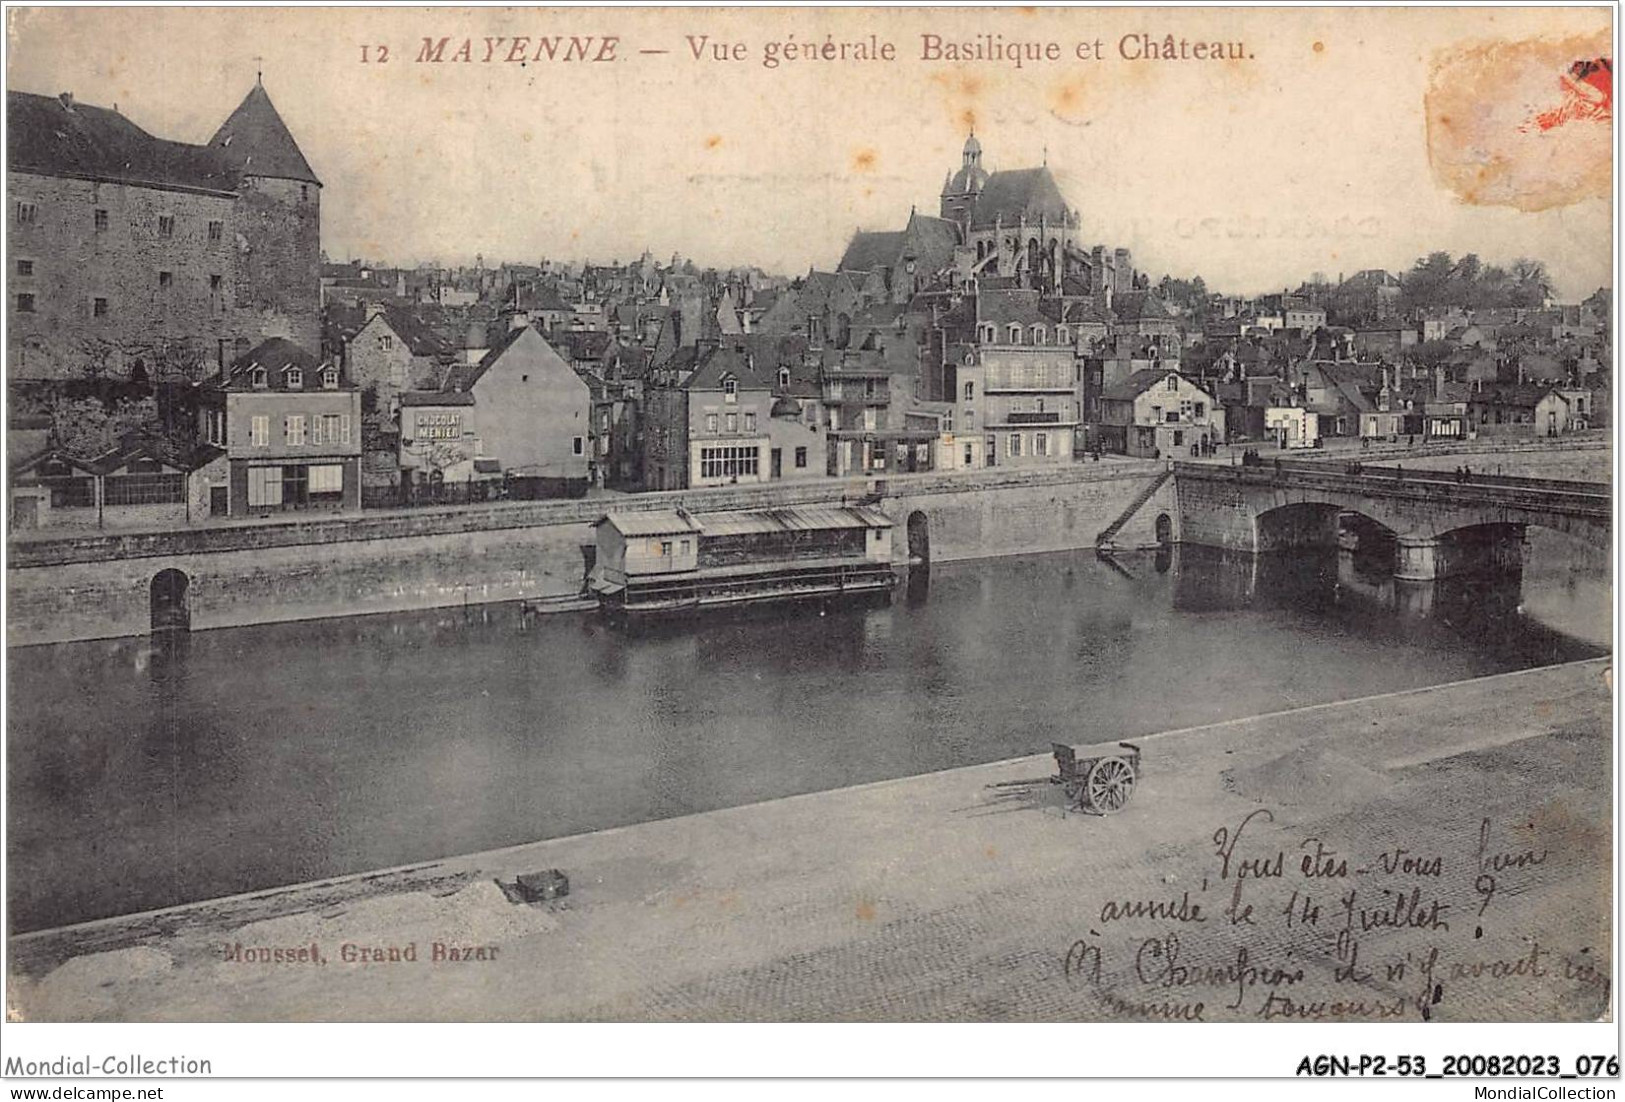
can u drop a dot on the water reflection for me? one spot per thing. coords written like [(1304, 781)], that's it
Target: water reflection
[(149, 772)]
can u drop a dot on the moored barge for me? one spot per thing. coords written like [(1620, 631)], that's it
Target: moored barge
[(663, 562)]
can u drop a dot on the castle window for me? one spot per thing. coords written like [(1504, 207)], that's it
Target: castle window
[(166, 280), (166, 225), (304, 193), (294, 429), (100, 219), (26, 214), (1015, 334), (750, 422), (784, 378), (25, 267), (730, 390), (990, 334), (330, 379), (1173, 382), (1038, 334), (25, 304), (98, 307), (386, 342), (258, 378), (296, 379), (215, 285), (970, 392), (710, 422), (217, 230), (1063, 335)]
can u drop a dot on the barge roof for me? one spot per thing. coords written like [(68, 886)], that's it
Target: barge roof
[(799, 518), (654, 522)]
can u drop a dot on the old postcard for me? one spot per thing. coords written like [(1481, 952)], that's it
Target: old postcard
[(732, 515)]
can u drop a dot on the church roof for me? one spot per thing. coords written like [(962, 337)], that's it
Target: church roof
[(931, 241), (256, 142), (1024, 192), (868, 251), (57, 136), (970, 177)]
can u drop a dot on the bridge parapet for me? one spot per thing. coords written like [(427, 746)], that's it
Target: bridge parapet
[(1581, 499), (1435, 517)]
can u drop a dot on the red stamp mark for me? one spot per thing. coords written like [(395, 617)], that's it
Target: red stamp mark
[(1588, 94)]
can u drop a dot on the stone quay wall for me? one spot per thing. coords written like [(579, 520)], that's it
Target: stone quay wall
[(100, 586)]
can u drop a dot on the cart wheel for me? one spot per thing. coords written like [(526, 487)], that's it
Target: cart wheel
[(1110, 785)]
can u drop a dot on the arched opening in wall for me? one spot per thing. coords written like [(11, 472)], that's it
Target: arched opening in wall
[(1165, 529), (919, 538), (170, 611)]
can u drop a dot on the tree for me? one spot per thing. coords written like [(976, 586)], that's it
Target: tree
[(1428, 283), (1430, 354), (86, 428), (1531, 286)]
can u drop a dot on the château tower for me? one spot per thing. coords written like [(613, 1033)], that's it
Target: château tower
[(278, 228)]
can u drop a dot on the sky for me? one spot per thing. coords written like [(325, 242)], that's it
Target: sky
[(1310, 153)]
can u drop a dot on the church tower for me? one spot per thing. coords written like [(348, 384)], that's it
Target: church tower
[(959, 191), (278, 221)]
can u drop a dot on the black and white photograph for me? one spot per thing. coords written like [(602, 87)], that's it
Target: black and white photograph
[(853, 515)]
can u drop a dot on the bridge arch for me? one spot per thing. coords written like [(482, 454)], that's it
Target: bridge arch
[(1296, 524)]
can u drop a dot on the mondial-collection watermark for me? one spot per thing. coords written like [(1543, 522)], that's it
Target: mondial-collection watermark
[(81, 1067)]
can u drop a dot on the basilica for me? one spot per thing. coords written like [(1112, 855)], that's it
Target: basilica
[(1003, 229)]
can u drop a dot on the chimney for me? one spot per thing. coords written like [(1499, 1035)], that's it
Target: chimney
[(1438, 382), (374, 309)]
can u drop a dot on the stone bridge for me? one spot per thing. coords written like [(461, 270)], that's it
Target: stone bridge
[(1440, 526)]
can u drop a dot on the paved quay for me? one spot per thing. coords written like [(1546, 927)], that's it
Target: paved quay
[(1442, 853)]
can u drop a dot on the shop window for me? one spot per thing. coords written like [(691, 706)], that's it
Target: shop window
[(264, 485)]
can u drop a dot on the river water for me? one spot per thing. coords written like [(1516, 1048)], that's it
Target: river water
[(270, 755)]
